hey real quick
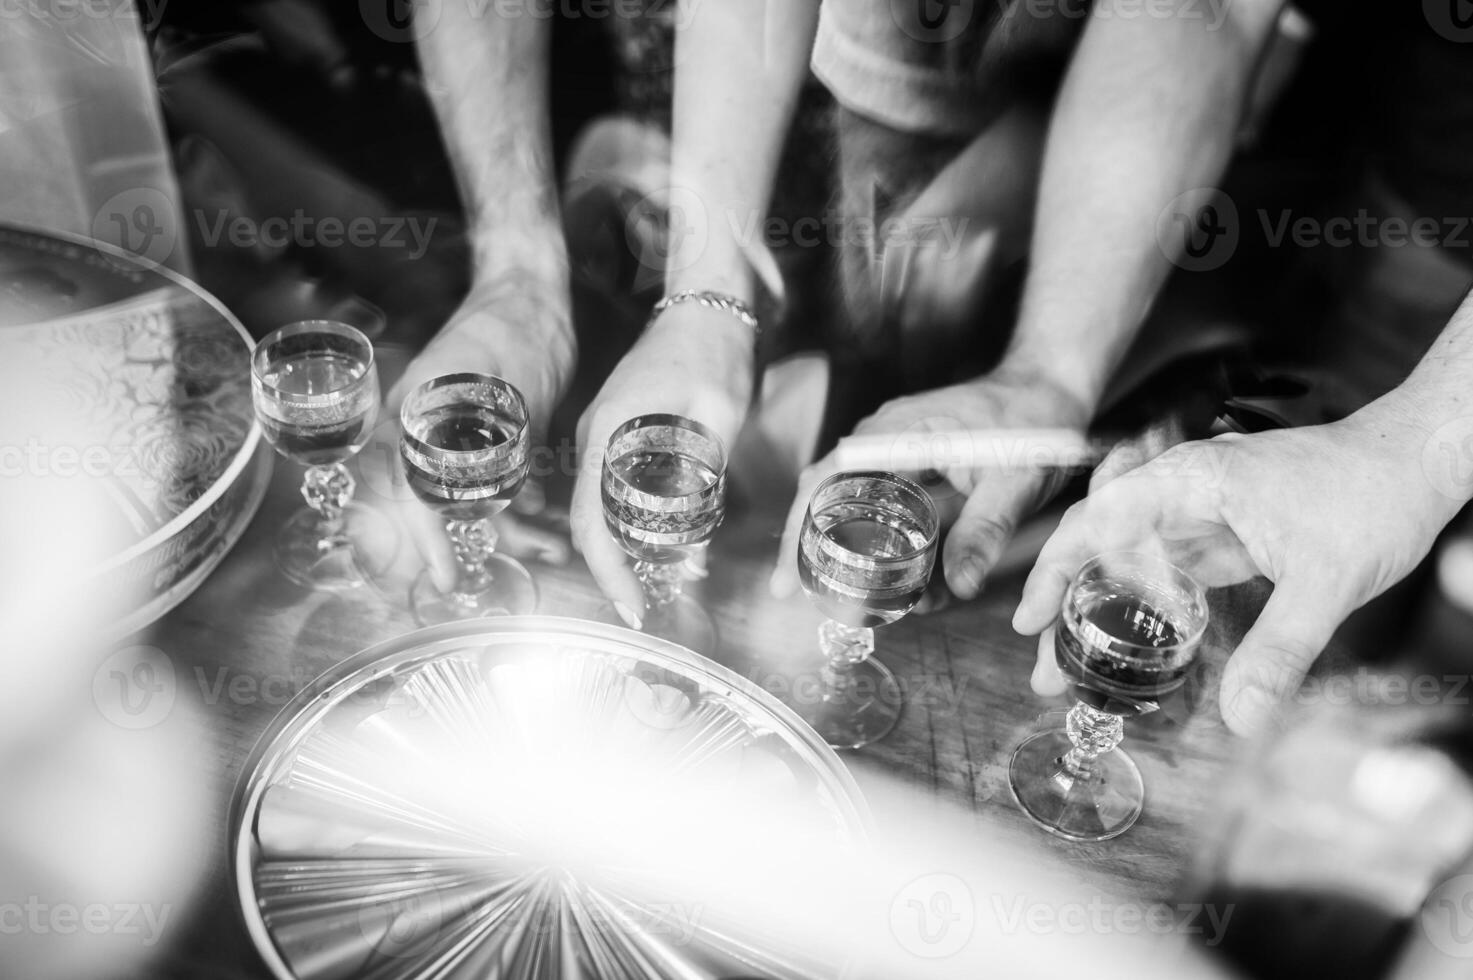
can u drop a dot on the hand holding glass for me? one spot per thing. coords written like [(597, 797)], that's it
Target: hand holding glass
[(465, 453), (865, 555), (664, 496), (1130, 628)]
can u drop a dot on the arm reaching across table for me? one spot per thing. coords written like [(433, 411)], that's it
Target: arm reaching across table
[(487, 73), (741, 66), (1148, 110), (1333, 515)]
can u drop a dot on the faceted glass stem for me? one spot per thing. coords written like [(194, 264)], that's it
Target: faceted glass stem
[(327, 490), (843, 648), (1093, 733), (663, 583), (474, 543)]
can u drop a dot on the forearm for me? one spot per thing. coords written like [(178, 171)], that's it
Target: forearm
[(1431, 414), (1148, 111), (741, 65), (488, 80)]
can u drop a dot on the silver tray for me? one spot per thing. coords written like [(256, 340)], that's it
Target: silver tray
[(517, 798), (155, 374)]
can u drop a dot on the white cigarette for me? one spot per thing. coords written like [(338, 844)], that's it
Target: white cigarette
[(1006, 449)]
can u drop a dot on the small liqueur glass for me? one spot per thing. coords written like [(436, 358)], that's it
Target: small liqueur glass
[(664, 496), (315, 389), (1130, 628), (865, 556), (465, 452)]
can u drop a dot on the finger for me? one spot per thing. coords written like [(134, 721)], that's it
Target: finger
[(983, 529), (427, 532), (1269, 665), (1047, 680), (1122, 515), (606, 560), (937, 598), (785, 575)]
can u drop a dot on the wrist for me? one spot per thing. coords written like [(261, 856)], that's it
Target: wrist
[(1071, 403), (731, 276), (1423, 442), (535, 254)]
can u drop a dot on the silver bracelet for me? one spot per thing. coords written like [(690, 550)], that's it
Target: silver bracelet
[(714, 301)]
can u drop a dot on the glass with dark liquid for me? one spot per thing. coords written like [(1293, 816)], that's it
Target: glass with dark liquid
[(865, 555), (315, 389), (465, 453), (1129, 631), (664, 496)]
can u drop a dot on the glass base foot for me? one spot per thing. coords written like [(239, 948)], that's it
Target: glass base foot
[(364, 548), (682, 621), (866, 711), (512, 593), (1098, 807)]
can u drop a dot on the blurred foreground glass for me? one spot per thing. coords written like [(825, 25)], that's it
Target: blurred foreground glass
[(464, 447), (1130, 628), (315, 389), (865, 555), (664, 496)]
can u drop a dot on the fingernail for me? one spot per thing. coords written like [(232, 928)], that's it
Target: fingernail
[(627, 614), (778, 585), (969, 577), (1253, 710), (552, 555), (1038, 679)]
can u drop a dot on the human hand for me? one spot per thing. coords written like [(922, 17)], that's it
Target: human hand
[(1333, 515), (524, 336), (985, 502), (691, 361)]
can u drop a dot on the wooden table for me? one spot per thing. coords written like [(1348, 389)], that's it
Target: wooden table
[(248, 640)]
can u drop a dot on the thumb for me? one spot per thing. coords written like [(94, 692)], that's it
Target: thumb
[(1047, 680), (1267, 668)]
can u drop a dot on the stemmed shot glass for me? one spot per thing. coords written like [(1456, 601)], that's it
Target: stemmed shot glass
[(465, 453), (1130, 629), (315, 389), (865, 555), (664, 495)]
